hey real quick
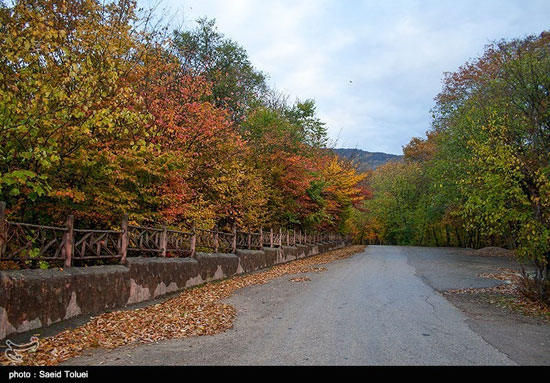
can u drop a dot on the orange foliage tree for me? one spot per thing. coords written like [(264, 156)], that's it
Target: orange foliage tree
[(103, 114)]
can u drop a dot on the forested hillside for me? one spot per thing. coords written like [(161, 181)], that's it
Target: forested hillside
[(366, 160), (106, 111)]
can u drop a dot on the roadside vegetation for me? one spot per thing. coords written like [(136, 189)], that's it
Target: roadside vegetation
[(515, 295), (481, 176), (104, 110)]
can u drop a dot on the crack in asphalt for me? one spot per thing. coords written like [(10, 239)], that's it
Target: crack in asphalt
[(427, 300)]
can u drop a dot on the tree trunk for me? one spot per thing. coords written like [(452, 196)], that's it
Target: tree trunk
[(435, 237), (460, 243)]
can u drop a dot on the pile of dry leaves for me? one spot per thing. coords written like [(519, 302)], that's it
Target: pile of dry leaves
[(194, 312), (507, 295)]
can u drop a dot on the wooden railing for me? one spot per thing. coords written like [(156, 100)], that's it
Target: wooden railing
[(66, 246)]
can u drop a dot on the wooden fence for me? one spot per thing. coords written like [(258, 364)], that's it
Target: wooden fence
[(67, 246)]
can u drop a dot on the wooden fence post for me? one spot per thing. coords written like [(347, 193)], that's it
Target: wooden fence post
[(234, 231), (294, 237), (216, 239), (287, 237), (69, 241), (193, 244), (124, 239), (271, 237), (280, 237), (163, 240), (249, 238), (261, 238), (3, 229)]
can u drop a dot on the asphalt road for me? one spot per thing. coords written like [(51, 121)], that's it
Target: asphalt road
[(381, 307)]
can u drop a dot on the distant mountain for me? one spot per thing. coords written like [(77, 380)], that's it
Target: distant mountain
[(367, 160)]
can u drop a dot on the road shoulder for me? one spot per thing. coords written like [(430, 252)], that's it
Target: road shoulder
[(524, 339)]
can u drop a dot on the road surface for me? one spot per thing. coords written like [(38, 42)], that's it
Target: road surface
[(380, 307)]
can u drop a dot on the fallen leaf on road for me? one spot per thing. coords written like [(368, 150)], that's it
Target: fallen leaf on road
[(300, 279), (318, 269)]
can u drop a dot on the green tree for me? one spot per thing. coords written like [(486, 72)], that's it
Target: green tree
[(236, 84), (493, 123), (311, 130)]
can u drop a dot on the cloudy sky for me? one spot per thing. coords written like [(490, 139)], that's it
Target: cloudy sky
[(373, 67)]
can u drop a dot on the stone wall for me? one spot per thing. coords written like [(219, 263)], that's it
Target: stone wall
[(30, 299)]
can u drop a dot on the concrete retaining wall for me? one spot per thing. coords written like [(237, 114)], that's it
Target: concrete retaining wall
[(31, 299)]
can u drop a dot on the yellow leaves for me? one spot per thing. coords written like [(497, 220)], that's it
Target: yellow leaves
[(72, 194), (136, 134), (342, 176)]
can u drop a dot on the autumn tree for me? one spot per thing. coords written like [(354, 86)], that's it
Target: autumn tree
[(67, 113), (103, 112), (495, 113), (483, 169), (480, 177)]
